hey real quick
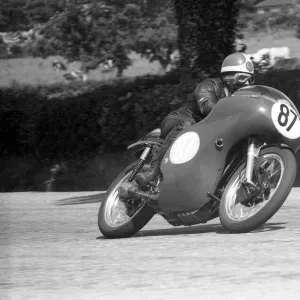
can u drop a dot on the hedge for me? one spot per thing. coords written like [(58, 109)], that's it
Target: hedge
[(50, 122), (81, 123)]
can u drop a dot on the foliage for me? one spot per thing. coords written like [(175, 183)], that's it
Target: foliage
[(249, 5), (207, 31), (12, 15), (104, 118), (16, 50), (297, 14), (100, 32), (88, 127), (93, 34), (40, 11), (286, 18), (3, 51), (156, 38), (96, 31)]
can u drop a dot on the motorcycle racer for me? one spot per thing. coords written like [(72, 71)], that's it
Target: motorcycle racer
[(237, 70)]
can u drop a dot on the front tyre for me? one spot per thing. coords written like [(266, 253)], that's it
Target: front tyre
[(117, 219), (279, 167)]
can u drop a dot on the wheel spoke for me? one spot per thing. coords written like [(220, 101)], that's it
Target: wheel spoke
[(270, 173), (116, 211)]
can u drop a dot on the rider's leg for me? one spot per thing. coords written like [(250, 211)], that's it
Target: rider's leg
[(145, 177)]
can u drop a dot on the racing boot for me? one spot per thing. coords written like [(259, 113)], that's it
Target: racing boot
[(146, 177)]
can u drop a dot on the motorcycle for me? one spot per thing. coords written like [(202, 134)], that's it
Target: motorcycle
[(237, 164)]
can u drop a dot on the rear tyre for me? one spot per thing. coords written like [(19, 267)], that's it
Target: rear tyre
[(116, 219), (239, 218)]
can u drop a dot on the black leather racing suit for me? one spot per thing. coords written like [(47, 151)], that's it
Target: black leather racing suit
[(198, 106)]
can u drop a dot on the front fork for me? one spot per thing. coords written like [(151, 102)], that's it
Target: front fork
[(252, 153), (140, 163)]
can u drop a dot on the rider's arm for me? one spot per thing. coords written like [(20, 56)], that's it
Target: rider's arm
[(206, 97)]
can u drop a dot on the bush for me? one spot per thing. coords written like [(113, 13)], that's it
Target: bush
[(105, 118), (88, 132), (3, 51), (284, 21), (259, 22), (84, 123), (244, 19), (16, 50), (278, 20)]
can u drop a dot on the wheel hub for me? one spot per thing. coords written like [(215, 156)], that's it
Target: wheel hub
[(249, 194), (255, 194), (243, 201)]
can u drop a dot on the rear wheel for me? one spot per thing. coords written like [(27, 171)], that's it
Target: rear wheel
[(275, 172), (119, 219)]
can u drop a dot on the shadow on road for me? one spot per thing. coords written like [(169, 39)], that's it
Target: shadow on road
[(200, 229), (82, 199), (269, 227), (181, 230)]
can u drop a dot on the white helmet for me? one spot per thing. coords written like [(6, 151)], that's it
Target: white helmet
[(237, 70), (237, 62)]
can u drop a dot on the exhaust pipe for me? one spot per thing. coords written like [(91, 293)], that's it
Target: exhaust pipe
[(129, 190)]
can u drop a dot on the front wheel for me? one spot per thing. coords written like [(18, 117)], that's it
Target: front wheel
[(118, 219), (275, 169)]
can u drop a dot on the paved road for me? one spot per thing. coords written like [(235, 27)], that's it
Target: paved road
[(51, 249)]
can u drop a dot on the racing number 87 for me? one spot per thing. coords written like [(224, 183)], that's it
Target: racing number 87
[(283, 117)]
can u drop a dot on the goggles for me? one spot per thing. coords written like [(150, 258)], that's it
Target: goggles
[(242, 78)]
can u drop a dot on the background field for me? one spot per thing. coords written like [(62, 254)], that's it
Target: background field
[(36, 71)]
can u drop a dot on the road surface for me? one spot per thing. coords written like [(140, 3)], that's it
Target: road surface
[(51, 248)]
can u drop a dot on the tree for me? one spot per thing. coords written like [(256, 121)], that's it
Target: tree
[(96, 31), (248, 14), (249, 5), (41, 11), (93, 33), (207, 31), (12, 15), (156, 38)]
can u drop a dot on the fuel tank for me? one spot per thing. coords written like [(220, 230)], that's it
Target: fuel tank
[(194, 163)]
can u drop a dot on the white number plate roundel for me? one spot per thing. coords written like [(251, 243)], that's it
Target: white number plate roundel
[(286, 120), (185, 148)]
